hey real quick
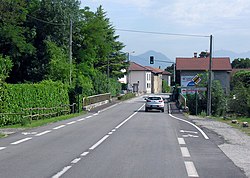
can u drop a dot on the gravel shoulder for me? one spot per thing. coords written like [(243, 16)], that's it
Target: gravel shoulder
[(236, 145)]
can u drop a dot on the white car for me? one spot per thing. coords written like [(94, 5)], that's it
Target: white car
[(154, 102)]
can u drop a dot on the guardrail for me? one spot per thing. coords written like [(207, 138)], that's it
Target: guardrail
[(96, 100), (182, 102)]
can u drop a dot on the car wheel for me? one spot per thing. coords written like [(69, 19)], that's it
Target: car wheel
[(162, 110)]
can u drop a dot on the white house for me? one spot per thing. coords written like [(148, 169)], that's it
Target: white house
[(139, 78)]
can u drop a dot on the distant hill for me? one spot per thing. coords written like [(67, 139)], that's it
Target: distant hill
[(143, 59), (231, 54)]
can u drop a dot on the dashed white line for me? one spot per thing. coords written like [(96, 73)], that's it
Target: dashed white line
[(95, 114), (185, 153), (88, 117), (2, 148), (22, 140), (191, 171), (99, 142), (43, 133), (113, 130), (75, 160), (71, 122), (85, 153), (82, 119), (59, 174), (181, 141), (110, 133), (58, 127)]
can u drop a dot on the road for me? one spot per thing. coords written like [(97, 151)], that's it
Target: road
[(119, 141)]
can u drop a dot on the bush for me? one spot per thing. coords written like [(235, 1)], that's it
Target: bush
[(17, 97)]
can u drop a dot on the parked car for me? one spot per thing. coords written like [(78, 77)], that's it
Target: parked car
[(154, 102)]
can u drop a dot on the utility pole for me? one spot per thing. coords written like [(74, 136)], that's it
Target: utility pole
[(70, 52), (209, 96)]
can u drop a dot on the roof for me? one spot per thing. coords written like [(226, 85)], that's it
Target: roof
[(137, 67), (166, 73), (154, 70), (222, 63)]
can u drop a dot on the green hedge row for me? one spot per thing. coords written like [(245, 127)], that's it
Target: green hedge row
[(17, 97)]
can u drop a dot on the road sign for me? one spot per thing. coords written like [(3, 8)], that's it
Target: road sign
[(196, 79)]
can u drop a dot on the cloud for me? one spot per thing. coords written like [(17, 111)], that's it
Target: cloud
[(193, 12)]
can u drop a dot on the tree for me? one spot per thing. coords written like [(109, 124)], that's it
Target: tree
[(241, 63), (5, 67)]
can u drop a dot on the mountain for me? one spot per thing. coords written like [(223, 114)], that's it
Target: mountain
[(231, 54), (143, 59)]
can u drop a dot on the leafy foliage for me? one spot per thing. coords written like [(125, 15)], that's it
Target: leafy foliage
[(241, 63)]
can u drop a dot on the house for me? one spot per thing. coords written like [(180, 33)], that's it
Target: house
[(139, 78), (156, 78), (167, 77), (187, 68)]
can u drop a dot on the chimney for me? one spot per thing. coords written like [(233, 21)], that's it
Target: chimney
[(195, 55)]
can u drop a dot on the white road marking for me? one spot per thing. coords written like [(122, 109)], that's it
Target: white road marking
[(113, 130), (110, 133), (99, 142), (186, 131), (108, 108), (59, 174), (22, 140), (191, 171), (203, 133), (82, 119), (75, 160), (185, 153), (71, 122), (189, 135), (89, 117), (181, 141), (95, 114), (58, 127), (2, 148), (43, 133), (29, 133), (85, 153)]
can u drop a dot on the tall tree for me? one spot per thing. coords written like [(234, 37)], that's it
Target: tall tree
[(241, 63)]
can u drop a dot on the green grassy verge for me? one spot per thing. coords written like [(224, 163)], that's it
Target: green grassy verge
[(237, 126), (41, 122)]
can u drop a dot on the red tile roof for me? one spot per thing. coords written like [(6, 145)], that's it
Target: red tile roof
[(203, 64), (137, 67), (166, 73), (154, 70)]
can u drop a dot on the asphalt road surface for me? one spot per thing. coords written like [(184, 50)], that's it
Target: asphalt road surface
[(121, 141)]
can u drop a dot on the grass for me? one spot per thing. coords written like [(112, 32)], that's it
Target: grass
[(237, 126), (41, 122)]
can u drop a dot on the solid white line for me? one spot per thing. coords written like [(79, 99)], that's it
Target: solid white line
[(185, 153), (203, 133), (71, 122), (61, 126), (82, 119), (22, 140), (2, 148), (85, 153), (99, 142), (75, 160), (59, 174), (191, 171), (42, 133), (181, 141), (117, 127)]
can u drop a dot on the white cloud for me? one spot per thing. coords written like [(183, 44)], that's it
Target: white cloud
[(193, 12)]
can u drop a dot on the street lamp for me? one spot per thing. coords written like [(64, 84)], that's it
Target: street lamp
[(128, 59)]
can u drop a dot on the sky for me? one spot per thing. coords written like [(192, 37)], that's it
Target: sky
[(227, 20)]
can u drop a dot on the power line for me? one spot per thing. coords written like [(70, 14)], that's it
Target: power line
[(162, 33), (51, 23)]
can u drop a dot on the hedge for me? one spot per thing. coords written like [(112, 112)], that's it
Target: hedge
[(17, 98)]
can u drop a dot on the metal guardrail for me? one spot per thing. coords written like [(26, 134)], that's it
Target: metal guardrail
[(182, 101)]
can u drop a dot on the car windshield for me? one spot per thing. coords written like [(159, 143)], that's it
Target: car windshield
[(154, 98)]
